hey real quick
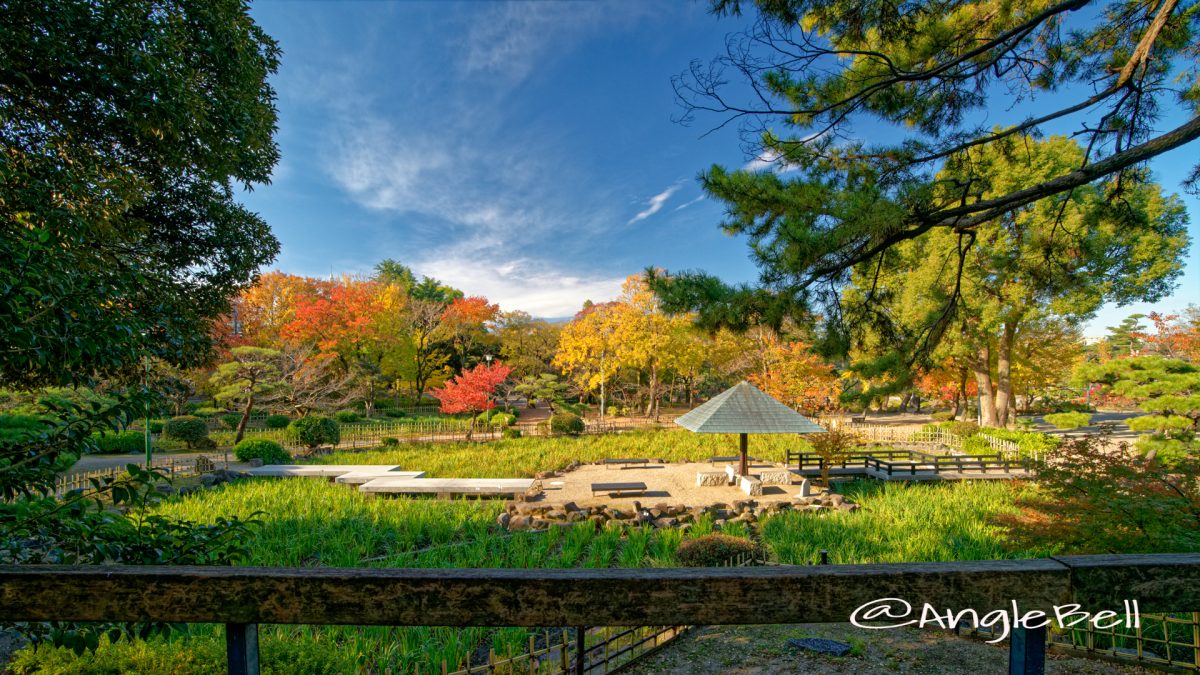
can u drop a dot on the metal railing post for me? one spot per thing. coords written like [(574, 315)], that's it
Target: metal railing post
[(241, 648), (1027, 651)]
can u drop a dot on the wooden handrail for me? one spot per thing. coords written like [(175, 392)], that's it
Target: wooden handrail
[(571, 597)]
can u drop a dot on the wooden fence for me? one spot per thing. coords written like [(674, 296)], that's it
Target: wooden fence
[(918, 434), (901, 463), (243, 597), (172, 466)]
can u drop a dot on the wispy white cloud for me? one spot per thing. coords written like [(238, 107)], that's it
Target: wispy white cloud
[(521, 283), (509, 40), (684, 205), (655, 204)]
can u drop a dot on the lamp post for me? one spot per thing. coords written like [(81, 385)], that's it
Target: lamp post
[(146, 382), (601, 386)]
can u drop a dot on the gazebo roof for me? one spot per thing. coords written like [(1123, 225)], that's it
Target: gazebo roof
[(744, 409)]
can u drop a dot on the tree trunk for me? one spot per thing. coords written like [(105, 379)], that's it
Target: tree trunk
[(983, 381), (241, 427), (905, 401), (961, 403), (1004, 392)]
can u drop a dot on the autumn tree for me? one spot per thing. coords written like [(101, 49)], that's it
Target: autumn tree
[(251, 374), (264, 309), (527, 345), (795, 376), (946, 84), (466, 321), (472, 391)]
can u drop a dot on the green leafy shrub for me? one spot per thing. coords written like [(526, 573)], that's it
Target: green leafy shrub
[(393, 413), (315, 430), (189, 429), (206, 411), (1068, 420), (511, 433), (497, 418), (156, 426), (347, 416), (566, 423), (943, 416), (712, 550), (231, 420), (268, 451), (960, 428), (277, 421), (389, 441), (20, 427), (118, 442)]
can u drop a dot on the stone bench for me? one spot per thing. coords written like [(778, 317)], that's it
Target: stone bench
[(711, 478), (775, 477), (751, 486)]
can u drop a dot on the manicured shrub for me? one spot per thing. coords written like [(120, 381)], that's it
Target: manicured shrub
[(943, 416), (960, 428), (118, 442), (393, 413), (315, 430), (208, 411), (268, 451), (389, 441), (496, 417), (509, 432), (231, 420), (156, 426), (566, 423), (277, 421), (189, 429), (347, 416), (712, 550), (1068, 420)]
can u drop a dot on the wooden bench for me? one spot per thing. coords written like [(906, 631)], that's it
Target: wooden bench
[(734, 459), (617, 489), (625, 462)]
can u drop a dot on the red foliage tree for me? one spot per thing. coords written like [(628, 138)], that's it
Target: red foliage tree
[(472, 390)]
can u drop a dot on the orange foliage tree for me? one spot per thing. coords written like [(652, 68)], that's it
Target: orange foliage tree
[(472, 391), (795, 375)]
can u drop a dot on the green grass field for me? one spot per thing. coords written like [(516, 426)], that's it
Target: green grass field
[(306, 522)]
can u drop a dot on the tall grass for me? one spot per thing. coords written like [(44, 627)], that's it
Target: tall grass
[(901, 522)]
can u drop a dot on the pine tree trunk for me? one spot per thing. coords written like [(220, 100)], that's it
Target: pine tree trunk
[(983, 380), (1004, 393), (241, 427)]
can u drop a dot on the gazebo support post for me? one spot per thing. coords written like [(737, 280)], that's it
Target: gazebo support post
[(743, 445)]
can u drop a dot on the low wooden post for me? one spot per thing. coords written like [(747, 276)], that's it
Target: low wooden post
[(241, 648), (1027, 651), (580, 649)]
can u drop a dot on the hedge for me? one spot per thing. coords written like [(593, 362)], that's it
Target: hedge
[(315, 430), (120, 442), (268, 451), (187, 428)]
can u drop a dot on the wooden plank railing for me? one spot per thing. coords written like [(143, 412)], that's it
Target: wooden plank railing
[(242, 597), (900, 462)]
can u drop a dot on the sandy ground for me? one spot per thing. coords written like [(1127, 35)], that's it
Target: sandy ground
[(671, 483), (763, 650)]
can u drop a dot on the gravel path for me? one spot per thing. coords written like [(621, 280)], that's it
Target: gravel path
[(763, 650)]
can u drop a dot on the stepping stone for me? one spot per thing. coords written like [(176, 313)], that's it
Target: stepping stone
[(820, 646)]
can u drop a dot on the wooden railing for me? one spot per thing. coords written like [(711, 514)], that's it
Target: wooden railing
[(243, 597), (910, 462)]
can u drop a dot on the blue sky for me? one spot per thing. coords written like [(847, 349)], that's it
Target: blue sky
[(522, 151)]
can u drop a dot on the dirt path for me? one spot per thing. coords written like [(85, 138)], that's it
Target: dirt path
[(763, 650)]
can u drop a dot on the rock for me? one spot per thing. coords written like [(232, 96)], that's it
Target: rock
[(711, 478), (616, 514), (598, 519), (820, 646), (543, 475), (686, 517), (555, 514), (570, 506), (847, 507), (209, 479), (575, 516), (739, 504), (187, 490), (257, 461), (719, 523), (665, 523), (836, 499), (164, 489), (503, 519), (539, 524), (662, 507), (518, 523), (805, 488)]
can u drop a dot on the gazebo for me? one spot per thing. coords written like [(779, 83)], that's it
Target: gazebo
[(744, 409)]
